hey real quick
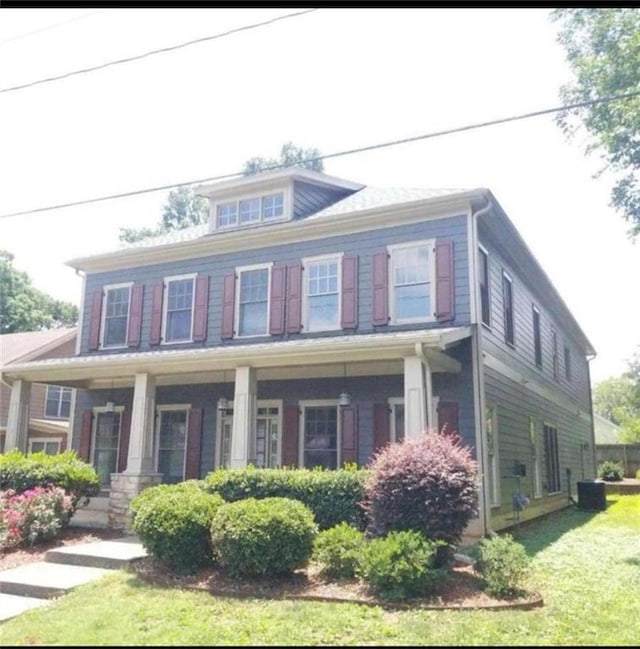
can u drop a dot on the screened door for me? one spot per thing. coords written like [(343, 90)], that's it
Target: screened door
[(172, 437), (105, 446), (321, 436)]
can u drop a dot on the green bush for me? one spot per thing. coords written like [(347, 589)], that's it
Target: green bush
[(401, 565), (338, 550), (610, 470), (174, 524), (151, 493), (263, 537), (20, 472), (638, 474), (503, 563), (333, 496)]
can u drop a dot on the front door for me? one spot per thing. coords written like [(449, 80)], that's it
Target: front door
[(106, 436), (172, 437)]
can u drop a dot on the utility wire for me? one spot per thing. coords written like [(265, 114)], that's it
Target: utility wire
[(48, 27), (371, 147), (162, 50)]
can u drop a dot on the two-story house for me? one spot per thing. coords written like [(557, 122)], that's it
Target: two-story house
[(312, 321)]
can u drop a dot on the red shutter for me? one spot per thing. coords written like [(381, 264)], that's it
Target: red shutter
[(448, 417), (194, 438), (278, 289), (84, 446), (94, 323), (349, 416), (201, 309), (349, 292), (228, 305), (135, 315), (290, 431), (381, 430), (294, 298), (156, 314), (444, 281), (380, 288), (125, 434)]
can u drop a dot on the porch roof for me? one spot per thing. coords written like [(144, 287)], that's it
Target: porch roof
[(90, 370)]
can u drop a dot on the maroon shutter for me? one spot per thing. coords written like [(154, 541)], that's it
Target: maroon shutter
[(294, 298), (125, 434), (228, 305), (194, 438), (84, 446), (444, 281), (290, 425), (156, 314), (349, 292), (201, 309), (381, 430), (278, 288), (349, 416), (448, 417), (94, 323), (135, 315), (380, 288)]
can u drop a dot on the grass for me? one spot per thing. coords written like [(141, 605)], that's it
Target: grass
[(587, 567)]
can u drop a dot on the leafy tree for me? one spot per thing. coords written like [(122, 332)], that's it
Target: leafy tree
[(24, 308), (183, 208), (603, 50)]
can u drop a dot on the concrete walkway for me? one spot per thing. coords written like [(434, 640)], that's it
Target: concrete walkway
[(63, 568)]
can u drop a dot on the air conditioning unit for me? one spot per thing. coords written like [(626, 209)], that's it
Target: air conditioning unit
[(592, 495)]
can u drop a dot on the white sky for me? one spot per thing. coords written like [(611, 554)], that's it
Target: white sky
[(333, 79)]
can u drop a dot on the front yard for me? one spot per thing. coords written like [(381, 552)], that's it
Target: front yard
[(585, 565)]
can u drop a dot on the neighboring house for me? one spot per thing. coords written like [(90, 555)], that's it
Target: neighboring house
[(50, 406), (605, 431), (312, 321)]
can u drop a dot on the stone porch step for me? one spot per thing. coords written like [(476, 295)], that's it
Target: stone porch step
[(90, 518), (109, 555), (13, 605)]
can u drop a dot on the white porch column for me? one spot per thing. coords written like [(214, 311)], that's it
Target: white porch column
[(18, 416), (140, 458), (244, 417), (415, 398)]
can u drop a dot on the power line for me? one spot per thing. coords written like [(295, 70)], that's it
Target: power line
[(371, 147), (162, 50)]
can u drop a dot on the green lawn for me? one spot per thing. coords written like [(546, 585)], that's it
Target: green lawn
[(586, 565)]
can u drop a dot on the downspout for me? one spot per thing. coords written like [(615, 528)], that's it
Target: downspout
[(478, 365), (593, 436)]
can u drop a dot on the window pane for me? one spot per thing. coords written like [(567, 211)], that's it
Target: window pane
[(254, 286), (412, 301), (411, 265), (253, 319), (105, 454), (179, 310), (115, 331), (37, 447), (227, 214), (65, 405), (398, 412), (171, 445), (321, 437), (272, 206), (250, 210), (53, 401), (323, 311)]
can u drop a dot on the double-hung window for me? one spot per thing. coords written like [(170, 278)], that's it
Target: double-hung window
[(537, 340), (483, 276), (115, 312), (58, 402), (412, 271), (178, 309), (507, 300), (253, 300), (322, 292), (227, 215), (551, 457), (567, 363)]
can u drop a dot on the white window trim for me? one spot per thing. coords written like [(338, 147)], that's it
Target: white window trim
[(71, 403), (314, 403), (495, 498), (156, 437), (287, 208), (534, 438), (395, 248), (165, 303), (548, 424), (103, 317), (236, 318), (484, 324), (338, 256), (46, 440), (94, 426)]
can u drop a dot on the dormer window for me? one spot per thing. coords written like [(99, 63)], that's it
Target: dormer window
[(250, 210)]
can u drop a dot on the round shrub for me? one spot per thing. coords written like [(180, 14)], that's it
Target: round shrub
[(338, 550), (503, 563), (401, 565), (611, 471), (263, 537), (151, 493), (173, 525), (426, 484)]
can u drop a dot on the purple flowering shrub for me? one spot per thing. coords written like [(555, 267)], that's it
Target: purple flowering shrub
[(427, 484), (34, 515)]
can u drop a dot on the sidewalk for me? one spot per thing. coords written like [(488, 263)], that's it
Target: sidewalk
[(64, 568)]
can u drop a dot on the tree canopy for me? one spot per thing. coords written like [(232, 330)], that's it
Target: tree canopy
[(603, 50), (183, 208), (25, 308)]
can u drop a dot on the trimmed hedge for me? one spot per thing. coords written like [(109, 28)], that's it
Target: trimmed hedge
[(151, 493), (174, 524), (20, 472), (269, 536), (333, 496)]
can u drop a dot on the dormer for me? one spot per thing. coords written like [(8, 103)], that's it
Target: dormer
[(272, 197)]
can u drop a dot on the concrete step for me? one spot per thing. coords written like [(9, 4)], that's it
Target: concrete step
[(13, 605), (96, 503), (46, 580), (90, 518), (109, 555)]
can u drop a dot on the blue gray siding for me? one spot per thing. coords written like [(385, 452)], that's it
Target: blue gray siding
[(309, 199)]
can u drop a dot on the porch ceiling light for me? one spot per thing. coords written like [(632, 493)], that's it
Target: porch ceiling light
[(223, 404), (344, 399), (110, 406)]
